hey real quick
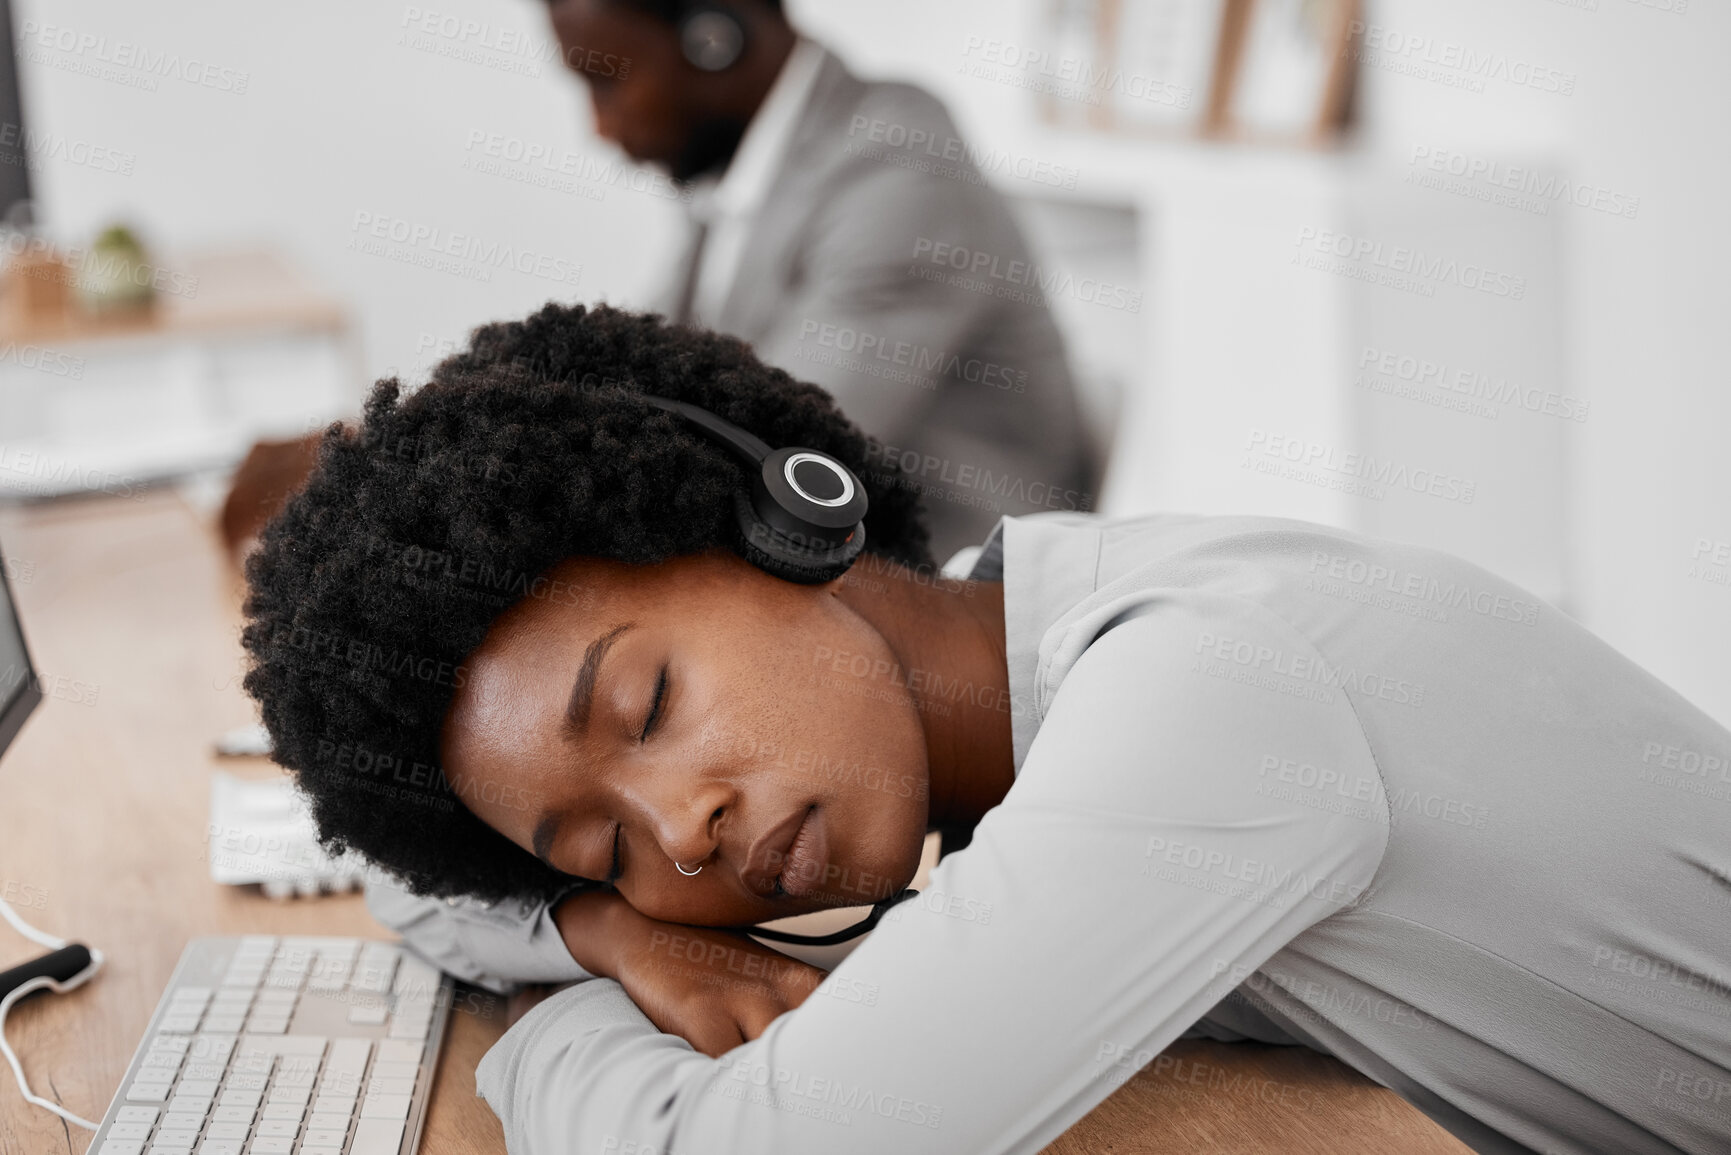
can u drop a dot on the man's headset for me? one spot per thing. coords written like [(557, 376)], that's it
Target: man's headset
[(712, 37), (803, 521)]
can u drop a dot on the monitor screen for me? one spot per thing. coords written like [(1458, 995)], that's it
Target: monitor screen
[(19, 688)]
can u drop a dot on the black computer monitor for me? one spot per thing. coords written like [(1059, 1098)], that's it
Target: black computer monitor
[(19, 688), (14, 150)]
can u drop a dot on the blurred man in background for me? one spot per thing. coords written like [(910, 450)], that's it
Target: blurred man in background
[(840, 228)]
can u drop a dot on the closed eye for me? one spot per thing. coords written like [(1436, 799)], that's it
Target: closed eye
[(655, 706)]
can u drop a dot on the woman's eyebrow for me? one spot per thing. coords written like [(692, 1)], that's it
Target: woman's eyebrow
[(583, 690)]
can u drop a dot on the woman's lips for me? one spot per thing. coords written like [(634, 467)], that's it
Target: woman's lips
[(807, 859), (768, 856)]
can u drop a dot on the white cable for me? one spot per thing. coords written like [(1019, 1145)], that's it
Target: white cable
[(38, 983)]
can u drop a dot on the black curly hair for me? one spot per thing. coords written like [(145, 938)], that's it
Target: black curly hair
[(416, 530)]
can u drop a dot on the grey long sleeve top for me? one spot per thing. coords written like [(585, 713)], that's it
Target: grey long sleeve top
[(1274, 781)]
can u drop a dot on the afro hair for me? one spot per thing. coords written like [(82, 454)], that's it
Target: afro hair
[(446, 505)]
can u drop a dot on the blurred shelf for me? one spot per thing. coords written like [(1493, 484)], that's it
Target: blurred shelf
[(110, 404)]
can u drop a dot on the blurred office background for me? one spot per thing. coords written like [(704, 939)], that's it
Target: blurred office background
[(1491, 252)]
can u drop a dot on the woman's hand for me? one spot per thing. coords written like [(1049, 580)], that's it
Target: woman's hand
[(714, 988)]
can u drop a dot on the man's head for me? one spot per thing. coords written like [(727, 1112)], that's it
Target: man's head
[(502, 631), (674, 82)]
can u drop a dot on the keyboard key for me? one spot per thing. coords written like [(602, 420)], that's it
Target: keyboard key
[(176, 1043), (296, 1095), (279, 1128), (374, 973), (328, 1121), (269, 1146), (189, 1105), (246, 1081), (240, 1098), (305, 1150), (198, 1088), (293, 1112), (119, 1130), (232, 1115), (267, 1026), (415, 977), (377, 1137), (178, 1136), (304, 1076), (368, 1016), (122, 1147), (304, 1046), (220, 1147), (386, 1107), (224, 1022), (331, 1138), (349, 1056), (135, 1115), (143, 1092), (228, 1130), (399, 1051), (334, 1105), (167, 1061), (412, 1028), (378, 1086), (204, 1071), (214, 1047), (183, 1121), (340, 1084)]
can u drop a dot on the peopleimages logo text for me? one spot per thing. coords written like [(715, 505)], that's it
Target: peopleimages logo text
[(1413, 262)]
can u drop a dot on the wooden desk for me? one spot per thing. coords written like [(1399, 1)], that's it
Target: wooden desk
[(132, 612)]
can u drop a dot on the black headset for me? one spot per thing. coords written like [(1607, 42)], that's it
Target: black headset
[(803, 519), (712, 37)]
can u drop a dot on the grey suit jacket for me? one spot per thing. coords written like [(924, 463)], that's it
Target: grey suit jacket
[(850, 280)]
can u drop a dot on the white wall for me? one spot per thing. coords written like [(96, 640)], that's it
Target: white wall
[(341, 117), (1646, 300)]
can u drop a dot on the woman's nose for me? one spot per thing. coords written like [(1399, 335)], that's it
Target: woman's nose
[(687, 820)]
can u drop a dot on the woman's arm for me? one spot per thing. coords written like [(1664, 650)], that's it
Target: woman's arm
[(1139, 869), (498, 946), (713, 988)]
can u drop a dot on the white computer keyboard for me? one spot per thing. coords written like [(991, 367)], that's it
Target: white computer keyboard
[(284, 1046)]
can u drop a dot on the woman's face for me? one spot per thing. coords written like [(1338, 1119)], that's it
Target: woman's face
[(698, 712)]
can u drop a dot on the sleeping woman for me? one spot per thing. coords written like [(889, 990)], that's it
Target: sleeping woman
[(610, 642)]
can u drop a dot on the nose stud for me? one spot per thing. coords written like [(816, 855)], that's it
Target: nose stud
[(688, 873)]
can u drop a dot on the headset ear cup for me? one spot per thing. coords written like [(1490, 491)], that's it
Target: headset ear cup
[(771, 551)]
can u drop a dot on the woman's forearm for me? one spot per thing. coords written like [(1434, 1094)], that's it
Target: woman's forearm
[(589, 923)]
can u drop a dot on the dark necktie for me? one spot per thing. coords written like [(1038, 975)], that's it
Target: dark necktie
[(693, 265)]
